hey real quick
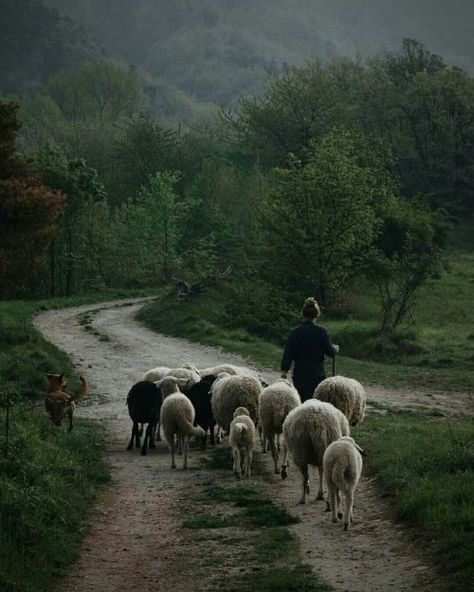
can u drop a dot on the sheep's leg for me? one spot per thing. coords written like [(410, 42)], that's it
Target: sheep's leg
[(263, 440), (348, 509), (333, 503), (212, 438), (320, 495), (274, 452), (305, 475), (278, 443), (237, 468), (173, 448), (185, 442), (147, 439), (134, 431), (157, 431), (248, 462), (140, 430), (203, 439), (339, 504), (284, 466), (180, 444), (151, 442)]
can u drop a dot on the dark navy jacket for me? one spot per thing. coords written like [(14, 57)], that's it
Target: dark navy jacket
[(306, 346)]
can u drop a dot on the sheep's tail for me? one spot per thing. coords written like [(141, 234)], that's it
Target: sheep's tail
[(240, 430), (83, 389), (341, 474), (187, 428)]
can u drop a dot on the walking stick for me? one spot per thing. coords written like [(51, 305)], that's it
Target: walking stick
[(334, 365)]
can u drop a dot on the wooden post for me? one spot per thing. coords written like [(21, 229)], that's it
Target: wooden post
[(7, 426)]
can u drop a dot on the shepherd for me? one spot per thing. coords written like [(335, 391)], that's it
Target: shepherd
[(306, 347)]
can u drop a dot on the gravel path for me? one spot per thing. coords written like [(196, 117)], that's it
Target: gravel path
[(135, 539)]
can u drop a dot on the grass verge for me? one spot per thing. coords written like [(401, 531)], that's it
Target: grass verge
[(47, 483), (50, 478), (426, 466), (249, 525)]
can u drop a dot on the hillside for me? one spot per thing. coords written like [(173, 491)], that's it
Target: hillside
[(218, 50), (36, 42)]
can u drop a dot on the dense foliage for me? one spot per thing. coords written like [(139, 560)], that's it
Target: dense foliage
[(29, 212)]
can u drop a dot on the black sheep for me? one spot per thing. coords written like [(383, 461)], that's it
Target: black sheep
[(200, 396), (144, 404)]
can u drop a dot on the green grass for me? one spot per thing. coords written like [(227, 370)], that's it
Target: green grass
[(426, 465), (269, 553), (47, 483), (435, 352), (50, 478)]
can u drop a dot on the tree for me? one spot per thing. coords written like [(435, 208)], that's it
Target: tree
[(29, 212), (322, 215), (408, 251), (81, 186), (148, 231), (144, 149)]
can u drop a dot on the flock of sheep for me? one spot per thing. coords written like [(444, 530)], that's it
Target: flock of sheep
[(186, 402)]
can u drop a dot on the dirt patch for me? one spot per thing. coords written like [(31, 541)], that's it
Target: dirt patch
[(136, 537)]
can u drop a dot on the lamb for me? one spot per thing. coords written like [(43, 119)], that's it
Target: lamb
[(200, 396), (230, 392), (346, 394), (276, 401), (242, 435), (177, 417), (308, 430), (342, 466), (144, 405)]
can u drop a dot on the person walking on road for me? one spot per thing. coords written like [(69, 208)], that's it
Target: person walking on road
[(306, 347)]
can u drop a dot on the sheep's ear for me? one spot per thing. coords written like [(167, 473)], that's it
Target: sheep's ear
[(361, 450)]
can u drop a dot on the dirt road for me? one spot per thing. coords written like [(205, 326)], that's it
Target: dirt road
[(136, 539)]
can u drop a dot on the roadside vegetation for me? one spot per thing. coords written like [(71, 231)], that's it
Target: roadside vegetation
[(49, 479), (434, 352), (245, 523), (425, 465)]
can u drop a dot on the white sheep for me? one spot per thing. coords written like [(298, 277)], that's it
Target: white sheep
[(155, 374), (242, 436), (231, 369), (230, 392), (276, 401), (307, 431), (342, 466), (346, 394), (186, 376), (177, 418)]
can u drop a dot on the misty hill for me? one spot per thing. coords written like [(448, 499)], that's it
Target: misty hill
[(36, 42), (217, 50)]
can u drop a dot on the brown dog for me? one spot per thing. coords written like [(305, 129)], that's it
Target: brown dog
[(59, 403)]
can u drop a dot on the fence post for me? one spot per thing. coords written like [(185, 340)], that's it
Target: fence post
[(7, 426)]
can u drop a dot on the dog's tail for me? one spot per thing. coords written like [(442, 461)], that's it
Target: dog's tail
[(83, 390)]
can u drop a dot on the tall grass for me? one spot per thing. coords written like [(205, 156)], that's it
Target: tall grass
[(47, 483), (426, 466)]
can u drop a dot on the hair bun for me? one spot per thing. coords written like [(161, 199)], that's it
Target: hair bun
[(311, 308)]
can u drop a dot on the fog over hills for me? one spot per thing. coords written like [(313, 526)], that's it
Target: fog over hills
[(215, 50), (195, 55)]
